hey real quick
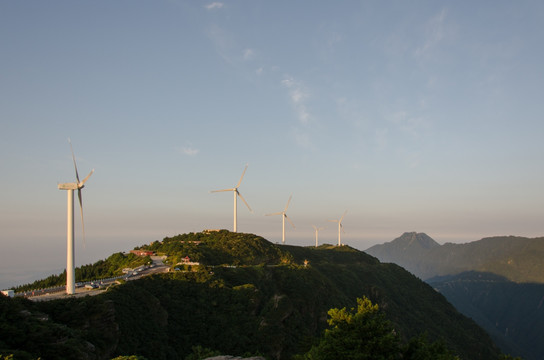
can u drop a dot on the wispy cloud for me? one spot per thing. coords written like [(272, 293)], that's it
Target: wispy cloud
[(214, 5), (434, 33), (223, 43), (227, 47), (189, 151), (248, 54), (298, 95)]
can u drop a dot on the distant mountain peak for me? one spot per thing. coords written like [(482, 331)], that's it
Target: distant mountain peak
[(411, 239), (406, 250)]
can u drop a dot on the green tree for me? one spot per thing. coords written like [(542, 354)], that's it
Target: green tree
[(200, 353), (364, 333), (418, 348), (359, 334)]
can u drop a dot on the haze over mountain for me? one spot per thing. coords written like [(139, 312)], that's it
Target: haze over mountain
[(497, 281)]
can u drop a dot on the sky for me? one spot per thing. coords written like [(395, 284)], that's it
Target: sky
[(410, 115)]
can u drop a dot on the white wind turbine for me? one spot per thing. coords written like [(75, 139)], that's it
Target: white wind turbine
[(317, 230), (283, 216), (70, 187), (340, 227), (236, 194)]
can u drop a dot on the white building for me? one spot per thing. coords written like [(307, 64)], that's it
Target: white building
[(9, 293)]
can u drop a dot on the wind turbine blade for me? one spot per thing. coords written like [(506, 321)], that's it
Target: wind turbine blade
[(214, 191), (345, 212), (84, 180), (81, 211), (278, 213), (241, 177), (74, 159), (244, 200), (333, 221), (288, 201), (287, 217), (315, 228)]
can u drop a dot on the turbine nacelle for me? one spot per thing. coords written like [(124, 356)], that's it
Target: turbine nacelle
[(69, 186), (75, 186)]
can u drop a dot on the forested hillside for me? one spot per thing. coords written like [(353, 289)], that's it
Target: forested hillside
[(247, 296), (112, 266)]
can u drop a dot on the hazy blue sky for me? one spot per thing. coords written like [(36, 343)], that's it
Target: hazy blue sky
[(412, 115)]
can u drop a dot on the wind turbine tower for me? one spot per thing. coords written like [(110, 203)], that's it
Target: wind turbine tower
[(340, 227), (70, 187), (284, 216), (317, 230), (236, 194)]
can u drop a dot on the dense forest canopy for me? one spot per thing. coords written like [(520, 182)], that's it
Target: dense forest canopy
[(247, 296)]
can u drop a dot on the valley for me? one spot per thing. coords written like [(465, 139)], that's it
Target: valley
[(496, 281)]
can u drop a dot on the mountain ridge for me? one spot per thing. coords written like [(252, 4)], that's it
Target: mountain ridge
[(516, 258), (247, 296)]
